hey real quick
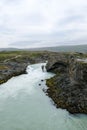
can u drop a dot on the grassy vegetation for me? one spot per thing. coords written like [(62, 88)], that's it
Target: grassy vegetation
[(11, 54)]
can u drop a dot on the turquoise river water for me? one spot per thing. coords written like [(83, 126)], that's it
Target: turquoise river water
[(24, 105)]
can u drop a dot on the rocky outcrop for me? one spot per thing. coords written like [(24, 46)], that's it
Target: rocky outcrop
[(68, 88), (11, 69), (17, 65)]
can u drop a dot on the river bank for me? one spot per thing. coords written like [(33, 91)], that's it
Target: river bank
[(68, 88), (24, 105), (15, 63)]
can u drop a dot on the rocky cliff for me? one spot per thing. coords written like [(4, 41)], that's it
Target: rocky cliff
[(68, 88), (13, 64)]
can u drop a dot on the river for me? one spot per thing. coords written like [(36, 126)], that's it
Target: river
[(25, 106)]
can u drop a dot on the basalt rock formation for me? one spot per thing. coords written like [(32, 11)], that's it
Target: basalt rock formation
[(11, 69), (17, 65), (68, 88)]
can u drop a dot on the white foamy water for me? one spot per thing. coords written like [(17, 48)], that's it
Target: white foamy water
[(24, 105)]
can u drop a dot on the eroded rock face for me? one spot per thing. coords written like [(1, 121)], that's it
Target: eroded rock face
[(17, 66), (12, 69), (57, 63), (68, 88)]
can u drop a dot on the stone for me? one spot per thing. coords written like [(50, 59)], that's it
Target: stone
[(68, 88)]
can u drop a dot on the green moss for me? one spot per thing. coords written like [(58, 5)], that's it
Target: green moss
[(50, 82), (3, 81)]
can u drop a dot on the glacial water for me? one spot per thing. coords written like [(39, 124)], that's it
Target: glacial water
[(24, 105)]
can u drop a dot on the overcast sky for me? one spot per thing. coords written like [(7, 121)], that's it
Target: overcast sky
[(38, 23)]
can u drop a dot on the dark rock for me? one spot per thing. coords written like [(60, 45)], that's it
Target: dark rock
[(17, 65), (68, 88)]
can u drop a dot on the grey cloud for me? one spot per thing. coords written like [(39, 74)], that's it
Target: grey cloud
[(12, 2), (6, 31), (33, 19), (24, 43), (42, 23), (71, 19)]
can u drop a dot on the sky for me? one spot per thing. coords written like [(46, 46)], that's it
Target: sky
[(41, 23)]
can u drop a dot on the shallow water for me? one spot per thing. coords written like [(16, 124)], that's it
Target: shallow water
[(24, 105)]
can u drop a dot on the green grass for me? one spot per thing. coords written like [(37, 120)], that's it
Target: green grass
[(11, 54)]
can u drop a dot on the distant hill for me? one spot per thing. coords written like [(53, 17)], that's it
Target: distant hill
[(73, 48), (9, 49)]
